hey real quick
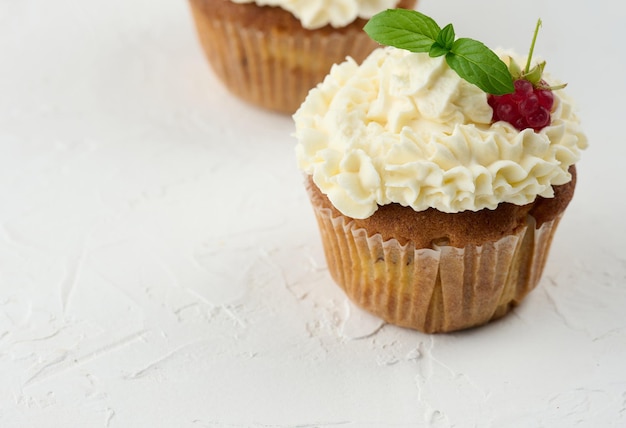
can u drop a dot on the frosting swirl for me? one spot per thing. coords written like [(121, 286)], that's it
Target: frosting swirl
[(405, 128), (318, 13)]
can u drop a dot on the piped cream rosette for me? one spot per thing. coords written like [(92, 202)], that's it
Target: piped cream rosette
[(319, 13), (405, 128)]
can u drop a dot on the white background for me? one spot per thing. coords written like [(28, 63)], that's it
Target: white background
[(160, 265)]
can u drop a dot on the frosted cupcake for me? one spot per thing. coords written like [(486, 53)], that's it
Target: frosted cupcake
[(435, 213), (272, 52)]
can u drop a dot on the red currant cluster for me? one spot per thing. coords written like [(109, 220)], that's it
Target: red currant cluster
[(527, 107)]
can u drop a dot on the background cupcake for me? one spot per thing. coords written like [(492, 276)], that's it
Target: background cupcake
[(272, 52), (434, 214)]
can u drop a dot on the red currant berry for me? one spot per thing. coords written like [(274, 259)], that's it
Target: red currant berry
[(529, 105), (539, 119), (523, 88), (507, 112), (546, 98)]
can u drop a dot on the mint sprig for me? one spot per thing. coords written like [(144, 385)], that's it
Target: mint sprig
[(416, 32)]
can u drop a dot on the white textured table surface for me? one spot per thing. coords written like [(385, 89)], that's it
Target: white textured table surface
[(160, 265)]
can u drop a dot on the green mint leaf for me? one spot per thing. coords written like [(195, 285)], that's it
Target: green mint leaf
[(443, 43), (416, 32), (403, 29), (437, 50), (446, 37), (479, 65)]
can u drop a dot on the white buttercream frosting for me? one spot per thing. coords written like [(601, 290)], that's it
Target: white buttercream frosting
[(318, 13), (405, 128)]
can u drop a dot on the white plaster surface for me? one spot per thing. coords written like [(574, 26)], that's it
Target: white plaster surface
[(160, 265)]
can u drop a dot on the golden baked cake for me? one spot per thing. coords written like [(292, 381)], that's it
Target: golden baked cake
[(410, 268), (435, 212), (271, 56)]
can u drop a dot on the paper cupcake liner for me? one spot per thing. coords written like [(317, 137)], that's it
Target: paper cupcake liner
[(274, 69), (436, 290)]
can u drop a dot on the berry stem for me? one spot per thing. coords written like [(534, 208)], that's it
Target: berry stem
[(532, 47)]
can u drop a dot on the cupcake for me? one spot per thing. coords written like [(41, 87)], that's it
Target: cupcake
[(272, 52), (437, 201)]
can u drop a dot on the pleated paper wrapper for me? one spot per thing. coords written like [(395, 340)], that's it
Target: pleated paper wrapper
[(439, 289), (274, 69)]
